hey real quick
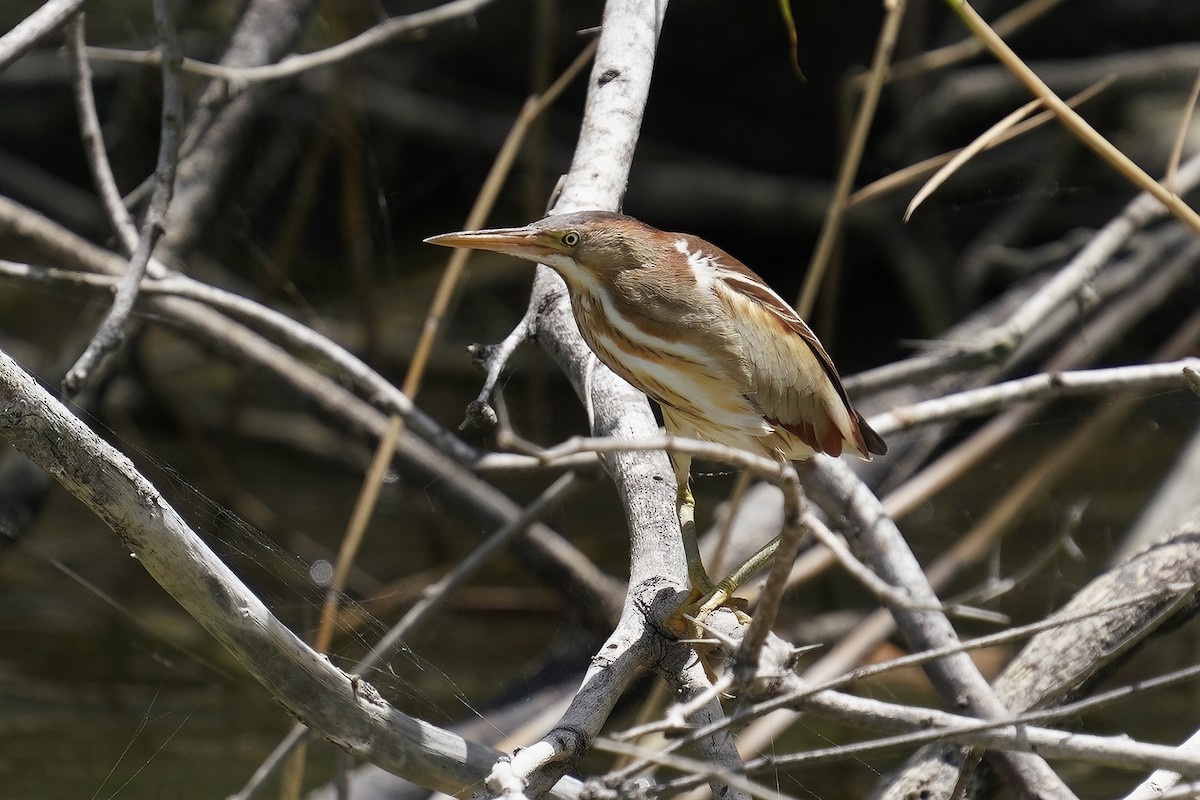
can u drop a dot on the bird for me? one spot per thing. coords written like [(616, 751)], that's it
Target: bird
[(726, 359)]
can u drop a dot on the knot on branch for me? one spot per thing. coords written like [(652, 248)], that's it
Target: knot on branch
[(658, 598), (1191, 378), (480, 416), (482, 354)]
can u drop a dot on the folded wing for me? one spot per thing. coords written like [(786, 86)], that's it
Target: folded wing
[(793, 380)]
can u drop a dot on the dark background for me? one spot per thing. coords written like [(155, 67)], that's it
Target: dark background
[(347, 169)]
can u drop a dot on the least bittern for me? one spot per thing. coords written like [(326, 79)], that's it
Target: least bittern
[(725, 358)]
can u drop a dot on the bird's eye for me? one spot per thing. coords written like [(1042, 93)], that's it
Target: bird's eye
[(570, 239)]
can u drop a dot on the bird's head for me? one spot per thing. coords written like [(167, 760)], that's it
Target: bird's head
[(584, 247)]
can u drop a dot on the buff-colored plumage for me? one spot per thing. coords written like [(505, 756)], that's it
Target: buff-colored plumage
[(723, 355)]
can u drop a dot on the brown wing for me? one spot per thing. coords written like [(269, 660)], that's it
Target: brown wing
[(794, 381)]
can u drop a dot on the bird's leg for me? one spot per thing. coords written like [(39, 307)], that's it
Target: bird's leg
[(723, 593), (701, 584), (685, 507), (704, 596)]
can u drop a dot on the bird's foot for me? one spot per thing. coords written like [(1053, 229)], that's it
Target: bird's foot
[(703, 601)]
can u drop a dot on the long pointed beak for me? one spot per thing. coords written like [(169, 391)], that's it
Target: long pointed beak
[(526, 243)]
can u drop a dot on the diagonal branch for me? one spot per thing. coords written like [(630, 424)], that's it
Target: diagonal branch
[(923, 624), (344, 707), (31, 30)]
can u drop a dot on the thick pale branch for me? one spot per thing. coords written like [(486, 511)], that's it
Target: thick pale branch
[(345, 708)]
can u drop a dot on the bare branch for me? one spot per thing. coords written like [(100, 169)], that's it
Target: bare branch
[(93, 139), (31, 30), (1140, 377), (345, 708), (297, 64), (113, 328), (957, 679)]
